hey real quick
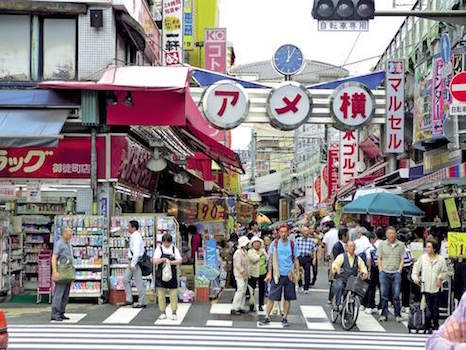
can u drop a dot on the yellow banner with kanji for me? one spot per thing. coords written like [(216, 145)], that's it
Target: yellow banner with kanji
[(209, 210), (231, 183), (452, 213), (456, 244)]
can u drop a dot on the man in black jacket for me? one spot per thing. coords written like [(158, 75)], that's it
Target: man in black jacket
[(339, 247)]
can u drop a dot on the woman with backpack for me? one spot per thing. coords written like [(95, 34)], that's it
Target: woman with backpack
[(430, 270), (167, 257)]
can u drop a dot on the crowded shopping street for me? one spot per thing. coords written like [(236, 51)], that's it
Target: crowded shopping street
[(233, 174)]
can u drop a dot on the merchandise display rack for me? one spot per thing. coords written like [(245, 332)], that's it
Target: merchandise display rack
[(4, 254), (16, 255)]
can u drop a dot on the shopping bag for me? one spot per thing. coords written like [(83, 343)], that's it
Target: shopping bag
[(145, 263), (66, 271), (166, 272)]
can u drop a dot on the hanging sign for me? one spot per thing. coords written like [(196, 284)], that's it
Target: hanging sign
[(452, 213), (348, 156), (172, 32), (225, 104), (457, 244), (395, 107), (188, 41), (210, 211), (352, 105), (216, 49), (332, 161), (289, 106)]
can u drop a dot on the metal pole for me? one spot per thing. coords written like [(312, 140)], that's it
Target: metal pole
[(94, 171), (253, 157), (453, 17)]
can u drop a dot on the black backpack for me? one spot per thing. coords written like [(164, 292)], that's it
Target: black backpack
[(416, 318)]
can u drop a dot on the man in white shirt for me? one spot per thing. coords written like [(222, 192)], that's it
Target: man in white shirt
[(330, 238), (363, 246), (136, 251)]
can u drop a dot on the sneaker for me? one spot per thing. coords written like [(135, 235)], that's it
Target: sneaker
[(265, 321), (383, 318), (399, 319), (174, 317), (306, 291), (369, 311), (139, 306), (284, 322), (301, 289), (128, 303), (163, 316), (251, 308), (235, 312)]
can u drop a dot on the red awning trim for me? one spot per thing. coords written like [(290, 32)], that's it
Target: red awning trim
[(369, 175), (370, 148)]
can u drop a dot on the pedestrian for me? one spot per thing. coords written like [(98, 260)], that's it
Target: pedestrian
[(282, 259), (307, 256), (196, 241), (240, 270), (330, 238), (257, 271), (430, 270), (167, 253), (343, 238), (136, 251), (253, 230), (267, 242), (369, 299), (62, 255), (405, 236), (390, 259), (363, 246), (315, 264)]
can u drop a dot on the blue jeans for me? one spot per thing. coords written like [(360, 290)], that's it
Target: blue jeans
[(338, 287), (390, 281)]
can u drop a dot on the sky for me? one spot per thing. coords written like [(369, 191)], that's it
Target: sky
[(256, 28)]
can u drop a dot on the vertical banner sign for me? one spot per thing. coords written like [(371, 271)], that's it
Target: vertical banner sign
[(438, 98), (332, 161), (172, 27), (395, 90), (324, 183), (188, 42), (452, 213), (216, 49), (348, 156)]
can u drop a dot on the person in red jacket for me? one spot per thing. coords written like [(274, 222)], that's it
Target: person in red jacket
[(196, 240)]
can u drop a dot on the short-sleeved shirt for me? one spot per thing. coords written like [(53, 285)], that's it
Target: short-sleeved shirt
[(62, 249), (330, 239), (306, 246), (166, 251), (391, 254), (285, 258)]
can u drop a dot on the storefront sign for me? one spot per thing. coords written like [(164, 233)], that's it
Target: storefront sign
[(324, 183), (172, 32), (452, 212), (395, 107), (457, 244), (332, 161), (440, 102), (289, 106), (348, 156), (422, 118), (225, 104), (188, 41), (352, 105), (231, 183), (209, 210), (216, 49), (440, 158)]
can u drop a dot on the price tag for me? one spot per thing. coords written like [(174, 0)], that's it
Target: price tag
[(210, 211)]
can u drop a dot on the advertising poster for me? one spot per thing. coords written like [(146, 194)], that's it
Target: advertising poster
[(172, 32), (452, 213), (457, 244)]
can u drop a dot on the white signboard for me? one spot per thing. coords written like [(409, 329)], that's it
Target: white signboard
[(458, 109), (225, 104), (289, 106), (33, 192), (348, 156), (352, 105), (395, 90), (343, 26), (7, 190), (172, 32)]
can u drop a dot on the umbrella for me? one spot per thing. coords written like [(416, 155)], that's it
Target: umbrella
[(383, 203)]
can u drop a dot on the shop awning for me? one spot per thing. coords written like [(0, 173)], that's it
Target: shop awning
[(205, 77), (372, 81), (396, 177), (32, 127), (371, 174), (38, 99), (370, 148), (438, 178)]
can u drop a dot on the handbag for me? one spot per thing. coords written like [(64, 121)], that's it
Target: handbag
[(145, 263), (166, 272), (66, 271)]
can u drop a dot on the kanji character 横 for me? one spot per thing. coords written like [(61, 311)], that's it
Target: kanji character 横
[(225, 95), (395, 123), (349, 164), (349, 153), (395, 83), (393, 105), (394, 143), (40, 155), (349, 136), (15, 164), (358, 105), (345, 103), (3, 159), (289, 105)]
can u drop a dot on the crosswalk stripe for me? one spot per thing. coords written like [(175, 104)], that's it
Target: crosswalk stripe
[(123, 315), (368, 323), (316, 317), (74, 318), (219, 323), (221, 309), (181, 313)]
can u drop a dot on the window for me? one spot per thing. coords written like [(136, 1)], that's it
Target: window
[(15, 43), (59, 48)]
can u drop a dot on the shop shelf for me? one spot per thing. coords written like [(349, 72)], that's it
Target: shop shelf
[(118, 266), (83, 267), (85, 294), (88, 279)]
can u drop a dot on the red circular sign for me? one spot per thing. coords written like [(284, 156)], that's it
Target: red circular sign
[(458, 87)]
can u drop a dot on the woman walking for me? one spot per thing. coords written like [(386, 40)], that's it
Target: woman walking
[(257, 272), (240, 270), (433, 270)]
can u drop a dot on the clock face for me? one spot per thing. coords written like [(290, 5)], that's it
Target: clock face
[(288, 59)]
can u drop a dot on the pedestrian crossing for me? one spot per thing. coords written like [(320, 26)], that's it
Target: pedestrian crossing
[(118, 337)]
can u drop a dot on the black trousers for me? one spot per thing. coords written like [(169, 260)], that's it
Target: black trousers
[(369, 299), (432, 317), (315, 268), (405, 287), (306, 263), (253, 282)]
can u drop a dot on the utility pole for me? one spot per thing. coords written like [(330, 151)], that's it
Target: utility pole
[(253, 157)]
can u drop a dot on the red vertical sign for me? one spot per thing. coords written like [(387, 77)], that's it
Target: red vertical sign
[(216, 49), (332, 163)]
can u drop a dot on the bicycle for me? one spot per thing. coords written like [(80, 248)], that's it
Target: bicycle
[(355, 289)]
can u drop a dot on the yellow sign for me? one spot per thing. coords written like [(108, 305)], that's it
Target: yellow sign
[(231, 183), (210, 211), (452, 213), (456, 244)]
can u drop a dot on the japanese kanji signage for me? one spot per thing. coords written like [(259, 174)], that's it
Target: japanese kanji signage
[(332, 161), (289, 106), (225, 104), (172, 32), (395, 82), (188, 41), (440, 100), (348, 156), (352, 105), (343, 26), (216, 49)]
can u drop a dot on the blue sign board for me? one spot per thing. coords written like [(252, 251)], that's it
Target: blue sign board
[(211, 253), (445, 48)]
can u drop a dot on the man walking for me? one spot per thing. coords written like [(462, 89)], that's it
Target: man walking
[(307, 255), (390, 259), (62, 255), (282, 259), (136, 251)]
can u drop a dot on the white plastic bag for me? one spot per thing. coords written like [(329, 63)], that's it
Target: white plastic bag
[(166, 272)]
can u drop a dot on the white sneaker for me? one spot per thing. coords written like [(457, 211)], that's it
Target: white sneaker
[(383, 319), (399, 319), (300, 289), (174, 317), (163, 316), (369, 311), (306, 292)]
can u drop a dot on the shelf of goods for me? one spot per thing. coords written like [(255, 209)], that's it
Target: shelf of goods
[(4, 254), (90, 251)]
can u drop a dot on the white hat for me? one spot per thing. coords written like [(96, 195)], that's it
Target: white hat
[(326, 219), (256, 239), (243, 242)]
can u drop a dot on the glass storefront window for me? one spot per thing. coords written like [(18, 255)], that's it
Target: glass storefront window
[(15, 43)]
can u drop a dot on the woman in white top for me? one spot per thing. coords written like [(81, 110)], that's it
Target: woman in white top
[(432, 268)]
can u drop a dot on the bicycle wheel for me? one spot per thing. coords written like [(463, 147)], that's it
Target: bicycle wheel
[(350, 311), (333, 311)]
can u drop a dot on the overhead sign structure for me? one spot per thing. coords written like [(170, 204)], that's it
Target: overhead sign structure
[(395, 82), (343, 26), (288, 60), (172, 32), (225, 104), (352, 105), (289, 106), (216, 49)]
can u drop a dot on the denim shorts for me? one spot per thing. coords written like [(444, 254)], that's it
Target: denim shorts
[(284, 284)]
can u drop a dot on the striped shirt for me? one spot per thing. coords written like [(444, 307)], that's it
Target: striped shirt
[(408, 260)]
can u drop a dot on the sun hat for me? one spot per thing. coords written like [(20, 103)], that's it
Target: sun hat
[(256, 239), (243, 241)]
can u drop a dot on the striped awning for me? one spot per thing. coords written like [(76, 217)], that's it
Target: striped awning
[(437, 178)]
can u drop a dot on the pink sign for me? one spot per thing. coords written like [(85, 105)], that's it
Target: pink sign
[(438, 100), (395, 106), (333, 155), (216, 49)]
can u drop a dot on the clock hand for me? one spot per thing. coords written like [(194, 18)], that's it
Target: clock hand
[(288, 56), (292, 52)]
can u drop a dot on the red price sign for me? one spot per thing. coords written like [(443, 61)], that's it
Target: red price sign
[(210, 211)]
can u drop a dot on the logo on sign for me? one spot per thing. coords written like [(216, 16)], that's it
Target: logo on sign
[(225, 104), (352, 105), (289, 106)]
